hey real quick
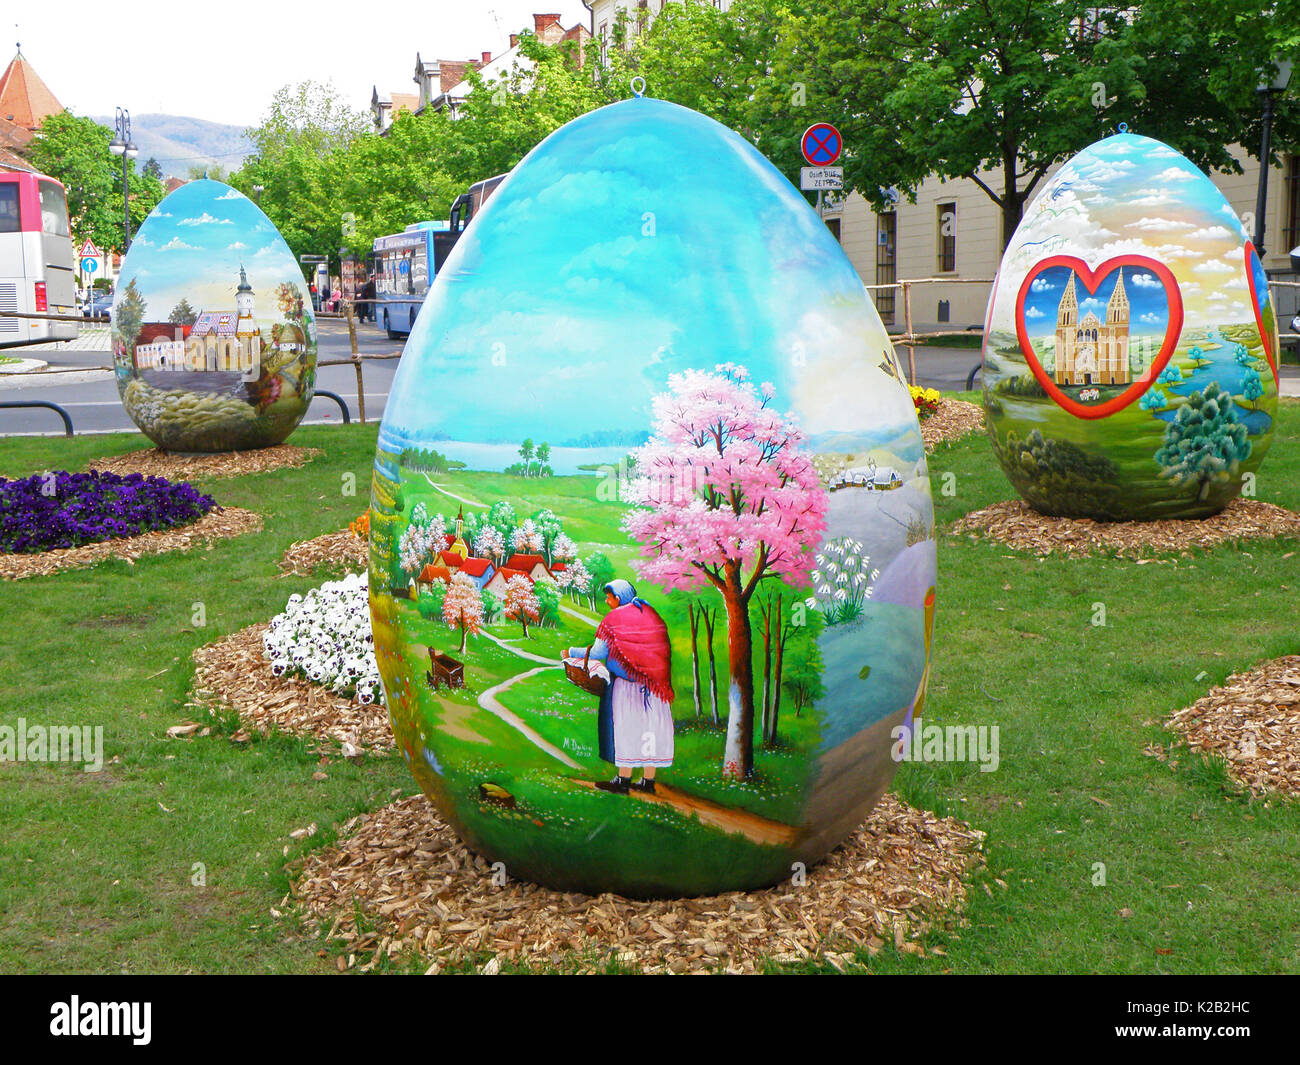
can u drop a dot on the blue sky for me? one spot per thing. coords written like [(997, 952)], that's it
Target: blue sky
[(640, 240), (192, 245)]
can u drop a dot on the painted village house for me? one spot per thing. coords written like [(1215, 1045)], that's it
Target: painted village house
[(217, 341), (456, 557)]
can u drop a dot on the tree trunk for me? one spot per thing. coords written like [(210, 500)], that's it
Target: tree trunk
[(776, 680), (695, 657), (1011, 199), (738, 755), (708, 617), (767, 664), (464, 632)]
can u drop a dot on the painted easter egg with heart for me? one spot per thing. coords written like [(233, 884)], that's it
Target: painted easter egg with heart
[(652, 561), (1130, 353)]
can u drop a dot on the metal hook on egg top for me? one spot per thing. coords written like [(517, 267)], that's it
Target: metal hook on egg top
[(638, 93), (1122, 127)]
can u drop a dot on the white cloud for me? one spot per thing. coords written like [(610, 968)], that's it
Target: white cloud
[(1176, 173), (1041, 284), (176, 244), (1149, 318), (232, 194), (1160, 224), (205, 219), (1144, 281), (1212, 266), (239, 245), (1211, 233), (1033, 312)]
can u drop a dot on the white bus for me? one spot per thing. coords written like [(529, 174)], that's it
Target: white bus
[(36, 271)]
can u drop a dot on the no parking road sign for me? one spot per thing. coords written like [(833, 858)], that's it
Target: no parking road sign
[(821, 144)]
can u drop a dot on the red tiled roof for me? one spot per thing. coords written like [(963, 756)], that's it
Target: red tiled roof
[(506, 574), (525, 562), (452, 558), (433, 573), (558, 567), (475, 567), (24, 98)]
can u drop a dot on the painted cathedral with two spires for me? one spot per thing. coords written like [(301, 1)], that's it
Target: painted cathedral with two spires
[(1089, 351)]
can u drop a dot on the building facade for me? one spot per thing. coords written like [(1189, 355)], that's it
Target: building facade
[(952, 233)]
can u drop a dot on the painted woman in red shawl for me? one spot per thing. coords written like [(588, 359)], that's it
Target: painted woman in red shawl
[(635, 719)]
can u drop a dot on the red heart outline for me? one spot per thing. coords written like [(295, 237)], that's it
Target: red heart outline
[(1265, 337), (1092, 280)]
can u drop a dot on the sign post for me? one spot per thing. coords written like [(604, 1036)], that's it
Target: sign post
[(89, 257), (821, 145)]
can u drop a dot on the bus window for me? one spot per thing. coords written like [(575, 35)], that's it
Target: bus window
[(54, 210), (10, 222)]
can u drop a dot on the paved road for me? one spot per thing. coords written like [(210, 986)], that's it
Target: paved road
[(92, 401), (91, 398)]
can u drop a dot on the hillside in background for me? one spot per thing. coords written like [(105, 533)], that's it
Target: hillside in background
[(179, 143)]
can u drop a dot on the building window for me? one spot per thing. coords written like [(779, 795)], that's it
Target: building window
[(603, 35), (886, 268), (833, 224), (1291, 200), (946, 227)]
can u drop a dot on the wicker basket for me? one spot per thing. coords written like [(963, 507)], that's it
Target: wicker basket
[(578, 675)]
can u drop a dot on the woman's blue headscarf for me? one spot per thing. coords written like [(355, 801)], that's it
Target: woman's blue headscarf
[(624, 593)]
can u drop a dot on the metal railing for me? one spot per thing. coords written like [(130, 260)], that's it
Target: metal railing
[(357, 360)]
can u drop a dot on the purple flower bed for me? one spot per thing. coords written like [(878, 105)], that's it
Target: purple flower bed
[(60, 509)]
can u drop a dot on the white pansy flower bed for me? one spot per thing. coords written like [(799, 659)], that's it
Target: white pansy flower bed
[(325, 637)]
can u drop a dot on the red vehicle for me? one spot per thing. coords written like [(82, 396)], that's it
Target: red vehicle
[(36, 261)]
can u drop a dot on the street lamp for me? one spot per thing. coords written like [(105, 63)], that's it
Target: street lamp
[(122, 145), (1268, 89), (257, 193)]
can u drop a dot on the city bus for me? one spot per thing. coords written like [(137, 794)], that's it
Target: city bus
[(405, 264), (36, 266)]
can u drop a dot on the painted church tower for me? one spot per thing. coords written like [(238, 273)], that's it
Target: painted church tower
[(247, 336), (1067, 320), (246, 326)]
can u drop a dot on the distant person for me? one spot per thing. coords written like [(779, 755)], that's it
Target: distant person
[(368, 294)]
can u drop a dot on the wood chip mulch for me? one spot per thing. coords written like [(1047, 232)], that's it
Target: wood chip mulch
[(154, 462), (419, 890), (232, 672), (953, 419), (339, 550), (220, 523), (1253, 721), (1016, 524)]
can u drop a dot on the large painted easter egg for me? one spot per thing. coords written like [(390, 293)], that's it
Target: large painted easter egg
[(214, 341), (652, 552), (1130, 358)]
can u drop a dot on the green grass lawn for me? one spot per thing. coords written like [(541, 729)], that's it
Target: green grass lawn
[(97, 871)]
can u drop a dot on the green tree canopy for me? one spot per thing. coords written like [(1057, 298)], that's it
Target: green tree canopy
[(74, 150), (967, 87)]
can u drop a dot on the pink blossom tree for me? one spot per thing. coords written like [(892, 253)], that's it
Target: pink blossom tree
[(521, 603), (728, 498), (462, 607)]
